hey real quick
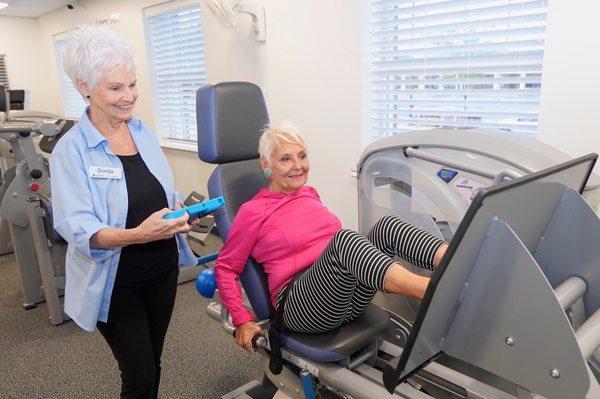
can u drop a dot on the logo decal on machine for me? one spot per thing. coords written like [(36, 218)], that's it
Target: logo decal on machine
[(467, 187), (447, 174)]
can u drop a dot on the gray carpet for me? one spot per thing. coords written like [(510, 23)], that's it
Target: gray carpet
[(40, 360)]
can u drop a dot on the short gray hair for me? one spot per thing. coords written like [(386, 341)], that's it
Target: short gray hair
[(274, 134), (94, 49)]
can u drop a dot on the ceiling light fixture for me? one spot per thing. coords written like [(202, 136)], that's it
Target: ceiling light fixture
[(2, 5)]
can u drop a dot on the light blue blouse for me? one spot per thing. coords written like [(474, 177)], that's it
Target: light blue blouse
[(86, 199)]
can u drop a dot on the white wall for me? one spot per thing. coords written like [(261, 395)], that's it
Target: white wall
[(570, 97), (20, 43), (313, 80)]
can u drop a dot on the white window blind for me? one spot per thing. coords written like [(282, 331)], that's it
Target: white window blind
[(175, 48), (453, 63), (73, 104), (3, 72)]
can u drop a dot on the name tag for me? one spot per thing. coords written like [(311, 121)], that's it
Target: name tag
[(105, 172)]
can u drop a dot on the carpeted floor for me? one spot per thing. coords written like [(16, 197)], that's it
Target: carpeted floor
[(40, 360)]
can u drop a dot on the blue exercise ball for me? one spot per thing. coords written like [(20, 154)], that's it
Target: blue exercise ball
[(206, 284)]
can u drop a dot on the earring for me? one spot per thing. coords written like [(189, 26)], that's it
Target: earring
[(268, 172)]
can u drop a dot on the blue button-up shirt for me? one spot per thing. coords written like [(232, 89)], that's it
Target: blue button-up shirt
[(82, 205)]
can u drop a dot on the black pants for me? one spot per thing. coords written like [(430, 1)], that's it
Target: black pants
[(137, 324)]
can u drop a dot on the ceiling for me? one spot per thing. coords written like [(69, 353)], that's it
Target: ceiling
[(32, 8)]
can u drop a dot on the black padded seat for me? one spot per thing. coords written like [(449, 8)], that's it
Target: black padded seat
[(338, 344)]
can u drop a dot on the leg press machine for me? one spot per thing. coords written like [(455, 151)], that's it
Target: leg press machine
[(511, 312)]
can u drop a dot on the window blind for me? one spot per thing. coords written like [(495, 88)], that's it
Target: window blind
[(454, 63), (3, 72), (73, 104), (176, 57)]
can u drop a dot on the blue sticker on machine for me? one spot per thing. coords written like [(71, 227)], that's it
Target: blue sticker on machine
[(447, 174)]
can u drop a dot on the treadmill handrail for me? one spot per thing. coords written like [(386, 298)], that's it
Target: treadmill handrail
[(476, 170), (16, 129), (45, 129)]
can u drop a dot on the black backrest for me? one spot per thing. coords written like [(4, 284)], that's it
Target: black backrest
[(4, 100), (230, 118)]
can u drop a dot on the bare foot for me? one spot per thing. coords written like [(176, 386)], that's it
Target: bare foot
[(440, 254), (401, 281)]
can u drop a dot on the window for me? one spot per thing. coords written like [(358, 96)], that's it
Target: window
[(175, 48), (73, 104), (453, 63), (3, 72)]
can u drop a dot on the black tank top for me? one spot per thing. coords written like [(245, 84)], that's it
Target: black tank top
[(143, 264)]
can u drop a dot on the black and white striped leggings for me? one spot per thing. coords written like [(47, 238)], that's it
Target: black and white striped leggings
[(344, 279)]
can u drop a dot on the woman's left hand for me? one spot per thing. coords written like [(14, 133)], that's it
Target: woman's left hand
[(193, 222)]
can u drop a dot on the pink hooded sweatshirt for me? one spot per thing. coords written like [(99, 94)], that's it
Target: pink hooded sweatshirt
[(285, 233)]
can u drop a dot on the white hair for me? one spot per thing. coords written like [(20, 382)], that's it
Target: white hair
[(274, 134), (93, 50)]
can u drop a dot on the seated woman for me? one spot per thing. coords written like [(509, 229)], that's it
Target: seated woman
[(335, 273)]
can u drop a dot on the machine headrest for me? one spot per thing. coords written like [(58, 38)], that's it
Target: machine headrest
[(230, 117), (4, 100), (19, 100)]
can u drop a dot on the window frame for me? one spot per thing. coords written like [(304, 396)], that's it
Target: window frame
[(4, 72), (67, 89), (147, 12)]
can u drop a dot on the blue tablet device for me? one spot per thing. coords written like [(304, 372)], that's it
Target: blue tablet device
[(198, 210)]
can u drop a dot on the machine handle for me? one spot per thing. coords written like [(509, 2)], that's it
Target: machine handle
[(207, 258), (588, 335), (570, 291), (258, 341), (16, 129), (505, 173)]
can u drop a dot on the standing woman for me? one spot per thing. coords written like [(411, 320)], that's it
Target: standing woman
[(111, 187)]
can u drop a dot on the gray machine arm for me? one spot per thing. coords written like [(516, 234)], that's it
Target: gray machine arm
[(20, 138)]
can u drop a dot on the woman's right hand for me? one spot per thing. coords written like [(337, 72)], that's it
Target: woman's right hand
[(245, 332), (155, 227)]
